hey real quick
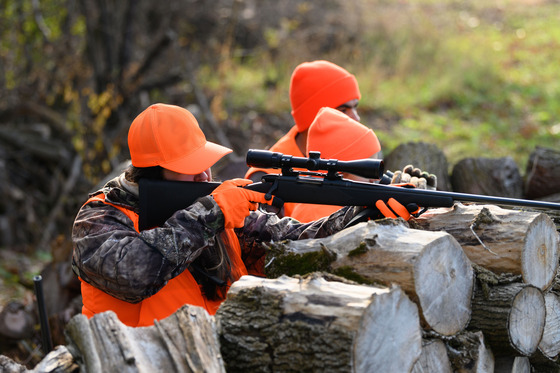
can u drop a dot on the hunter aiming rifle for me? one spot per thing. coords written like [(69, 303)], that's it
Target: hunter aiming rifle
[(310, 180)]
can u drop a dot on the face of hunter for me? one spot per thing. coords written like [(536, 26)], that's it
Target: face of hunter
[(205, 175)]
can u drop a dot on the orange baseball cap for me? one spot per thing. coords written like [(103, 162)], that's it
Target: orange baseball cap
[(337, 136), (169, 136), (318, 84)]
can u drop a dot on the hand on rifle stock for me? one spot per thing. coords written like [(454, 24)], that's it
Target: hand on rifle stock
[(394, 209), (237, 202), (413, 175)]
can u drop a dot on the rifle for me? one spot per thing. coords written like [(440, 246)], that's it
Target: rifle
[(310, 180)]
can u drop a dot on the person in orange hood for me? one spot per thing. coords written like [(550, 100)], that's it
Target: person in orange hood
[(336, 136), (193, 258), (313, 85)]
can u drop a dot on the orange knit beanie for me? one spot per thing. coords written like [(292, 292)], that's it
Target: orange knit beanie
[(337, 136), (319, 84)]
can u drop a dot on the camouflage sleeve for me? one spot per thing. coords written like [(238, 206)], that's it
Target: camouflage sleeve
[(264, 227), (112, 256)]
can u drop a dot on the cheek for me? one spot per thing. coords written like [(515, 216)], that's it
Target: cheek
[(174, 176), (181, 177)]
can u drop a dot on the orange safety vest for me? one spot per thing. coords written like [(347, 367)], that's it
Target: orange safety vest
[(286, 145), (178, 291)]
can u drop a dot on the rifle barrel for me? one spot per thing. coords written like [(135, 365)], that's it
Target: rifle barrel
[(43, 318)]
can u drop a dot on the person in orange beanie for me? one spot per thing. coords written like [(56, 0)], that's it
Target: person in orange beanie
[(336, 136), (198, 252), (313, 85)]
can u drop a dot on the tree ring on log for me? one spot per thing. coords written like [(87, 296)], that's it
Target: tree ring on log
[(526, 320), (444, 281), (550, 342), (540, 250)]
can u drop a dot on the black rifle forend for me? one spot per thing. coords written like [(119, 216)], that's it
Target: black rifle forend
[(368, 168), (159, 199)]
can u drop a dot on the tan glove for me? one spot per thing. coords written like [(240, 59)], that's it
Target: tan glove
[(413, 175)]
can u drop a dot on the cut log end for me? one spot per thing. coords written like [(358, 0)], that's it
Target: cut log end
[(389, 338), (526, 320), (550, 342), (539, 258), (444, 280), (433, 358)]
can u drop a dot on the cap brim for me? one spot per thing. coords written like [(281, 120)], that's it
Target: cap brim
[(199, 160)]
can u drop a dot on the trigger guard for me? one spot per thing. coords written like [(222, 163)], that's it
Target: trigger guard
[(276, 202)]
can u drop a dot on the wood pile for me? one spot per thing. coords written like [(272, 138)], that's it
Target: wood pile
[(466, 289)]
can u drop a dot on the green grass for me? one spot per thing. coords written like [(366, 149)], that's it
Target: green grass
[(477, 78)]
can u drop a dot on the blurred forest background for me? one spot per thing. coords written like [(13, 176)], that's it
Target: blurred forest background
[(476, 78)]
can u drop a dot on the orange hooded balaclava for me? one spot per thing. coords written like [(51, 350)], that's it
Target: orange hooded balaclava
[(319, 84), (337, 136)]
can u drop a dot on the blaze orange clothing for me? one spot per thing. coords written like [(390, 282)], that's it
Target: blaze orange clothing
[(179, 291), (307, 212), (286, 145)]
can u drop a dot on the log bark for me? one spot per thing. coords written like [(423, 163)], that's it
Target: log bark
[(469, 353), (501, 240), (433, 358), (309, 324), (430, 267), (543, 173), (488, 176), (7, 365), (186, 341), (59, 360), (541, 363), (511, 316), (16, 321)]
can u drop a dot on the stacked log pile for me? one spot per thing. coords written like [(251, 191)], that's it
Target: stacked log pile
[(430, 267), (515, 254), (479, 296)]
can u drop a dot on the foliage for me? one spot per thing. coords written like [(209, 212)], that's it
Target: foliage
[(476, 78)]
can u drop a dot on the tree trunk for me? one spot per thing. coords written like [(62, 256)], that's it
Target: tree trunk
[(427, 157), (183, 342), (488, 176), (433, 358), (16, 321), (521, 364), (59, 360), (388, 335), (309, 324), (501, 240), (469, 353), (550, 342), (430, 267), (543, 173), (511, 316)]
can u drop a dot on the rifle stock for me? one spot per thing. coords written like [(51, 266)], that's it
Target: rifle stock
[(159, 199)]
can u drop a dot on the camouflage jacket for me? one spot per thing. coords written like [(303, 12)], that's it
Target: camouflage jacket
[(112, 256)]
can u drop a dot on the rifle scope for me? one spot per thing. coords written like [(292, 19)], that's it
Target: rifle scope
[(368, 168)]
